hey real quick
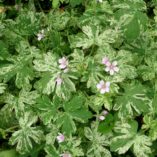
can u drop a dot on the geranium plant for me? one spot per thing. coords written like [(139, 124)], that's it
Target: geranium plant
[(78, 78)]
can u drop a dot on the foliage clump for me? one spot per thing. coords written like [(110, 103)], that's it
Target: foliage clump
[(78, 79)]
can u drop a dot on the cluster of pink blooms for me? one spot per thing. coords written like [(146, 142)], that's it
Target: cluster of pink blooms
[(40, 35), (61, 138), (63, 65), (103, 87), (110, 67), (102, 116)]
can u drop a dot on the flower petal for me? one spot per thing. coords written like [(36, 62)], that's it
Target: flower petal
[(107, 84), (105, 112), (116, 69), (114, 63), (102, 82), (40, 36), (108, 64), (60, 138), (103, 90), (107, 69), (99, 86), (105, 60), (66, 70), (111, 72), (62, 66), (107, 89), (60, 61), (101, 118)]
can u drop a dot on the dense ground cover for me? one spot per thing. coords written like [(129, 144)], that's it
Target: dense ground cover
[(78, 78)]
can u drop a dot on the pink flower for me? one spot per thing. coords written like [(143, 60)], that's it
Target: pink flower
[(59, 80), (104, 112), (63, 63), (66, 155), (105, 60), (66, 70), (60, 138), (101, 118), (40, 35), (103, 87), (112, 67)]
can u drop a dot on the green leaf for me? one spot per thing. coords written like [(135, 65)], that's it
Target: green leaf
[(24, 100), (3, 51), (19, 67), (51, 151), (48, 66), (81, 115), (21, 102), (154, 103), (24, 136), (88, 133), (130, 4), (8, 153), (75, 103), (23, 77), (47, 109), (107, 125), (74, 110), (150, 124), (126, 137), (46, 84), (28, 97), (59, 20), (142, 145), (8, 119), (92, 73), (46, 63), (91, 36), (7, 71), (133, 101), (55, 3), (85, 40), (68, 126), (98, 101), (132, 23), (30, 24), (80, 41), (148, 70), (2, 88), (77, 110), (127, 72), (75, 2), (67, 87), (99, 13), (97, 142), (74, 144), (68, 83)]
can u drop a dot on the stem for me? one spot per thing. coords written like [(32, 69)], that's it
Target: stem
[(31, 5), (11, 128), (92, 50)]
